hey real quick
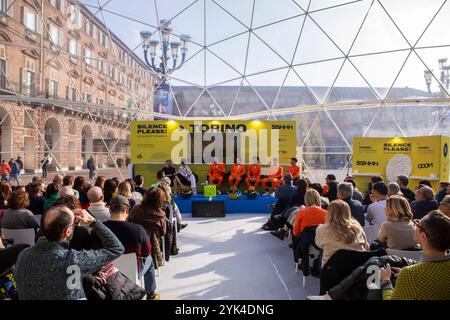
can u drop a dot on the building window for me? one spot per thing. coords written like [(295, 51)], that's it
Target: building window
[(90, 28), (57, 4), (102, 39), (88, 94), (88, 56), (73, 48), (75, 16), (2, 67), (53, 84), (101, 66), (30, 20), (112, 73), (28, 78), (72, 94), (56, 37)]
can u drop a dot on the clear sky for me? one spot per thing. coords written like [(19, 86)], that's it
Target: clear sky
[(272, 46)]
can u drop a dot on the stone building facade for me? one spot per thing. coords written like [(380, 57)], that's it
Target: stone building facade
[(68, 86)]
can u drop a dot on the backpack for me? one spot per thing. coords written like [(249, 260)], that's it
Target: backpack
[(8, 287)]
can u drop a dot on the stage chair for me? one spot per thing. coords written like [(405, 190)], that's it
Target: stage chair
[(127, 264), (313, 254), (39, 218), (20, 236)]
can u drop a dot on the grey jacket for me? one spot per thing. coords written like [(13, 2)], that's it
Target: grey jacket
[(19, 219), (52, 271)]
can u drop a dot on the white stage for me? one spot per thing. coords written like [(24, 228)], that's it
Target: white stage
[(231, 258)]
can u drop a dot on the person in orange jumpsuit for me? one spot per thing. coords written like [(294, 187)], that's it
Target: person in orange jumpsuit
[(236, 175), (275, 174), (253, 174), (294, 170), (215, 174)]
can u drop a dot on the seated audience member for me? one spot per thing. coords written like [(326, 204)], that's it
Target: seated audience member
[(136, 196), (124, 189), (442, 191), (253, 174), (97, 206), (284, 195), (403, 182), (299, 196), (324, 202), (187, 176), (424, 202), (236, 175), (16, 216), (46, 271), (345, 192), (100, 182), (58, 179), (215, 174), (81, 239), (340, 231), (161, 176), (51, 194), (139, 180), (444, 207), (171, 173), (375, 212), (36, 199), (109, 190), (8, 256), (69, 181), (170, 206), (134, 239), (332, 185), (424, 183), (274, 175), (5, 192), (313, 215), (78, 184), (398, 231), (151, 216), (429, 279), (357, 195), (394, 189), (66, 191)]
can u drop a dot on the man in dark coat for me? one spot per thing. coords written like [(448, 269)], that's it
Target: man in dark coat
[(91, 166), (345, 193)]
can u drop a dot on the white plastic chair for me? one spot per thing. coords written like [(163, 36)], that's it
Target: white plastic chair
[(414, 255), (20, 236), (368, 230), (127, 264), (313, 254)]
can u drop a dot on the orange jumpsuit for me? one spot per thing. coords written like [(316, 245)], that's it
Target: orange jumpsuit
[(254, 173), (216, 174), (237, 171), (274, 178), (295, 174)]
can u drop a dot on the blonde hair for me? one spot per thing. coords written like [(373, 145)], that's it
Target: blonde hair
[(426, 192), (312, 198), (342, 225), (398, 209), (394, 189), (167, 190), (124, 189)]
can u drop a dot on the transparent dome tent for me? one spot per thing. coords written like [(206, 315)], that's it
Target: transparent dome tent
[(341, 69)]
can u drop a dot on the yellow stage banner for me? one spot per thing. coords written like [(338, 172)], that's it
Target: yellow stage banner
[(420, 158), (201, 141)]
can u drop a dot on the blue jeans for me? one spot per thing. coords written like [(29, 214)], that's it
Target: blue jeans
[(147, 270)]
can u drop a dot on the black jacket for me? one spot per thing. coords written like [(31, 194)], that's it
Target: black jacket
[(301, 244), (408, 194), (421, 208), (357, 210), (354, 286)]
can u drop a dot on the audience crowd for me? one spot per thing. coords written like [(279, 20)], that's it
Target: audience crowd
[(82, 227)]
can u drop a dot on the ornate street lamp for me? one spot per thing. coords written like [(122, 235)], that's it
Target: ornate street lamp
[(151, 47), (428, 78)]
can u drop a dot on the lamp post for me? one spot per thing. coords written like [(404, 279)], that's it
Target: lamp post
[(151, 47), (442, 66), (428, 77)]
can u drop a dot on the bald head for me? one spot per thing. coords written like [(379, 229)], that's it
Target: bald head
[(58, 179), (95, 194), (56, 222)]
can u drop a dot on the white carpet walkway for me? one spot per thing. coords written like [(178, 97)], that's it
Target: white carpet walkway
[(231, 258)]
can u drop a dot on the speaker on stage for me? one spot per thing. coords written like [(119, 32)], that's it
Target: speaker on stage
[(208, 209)]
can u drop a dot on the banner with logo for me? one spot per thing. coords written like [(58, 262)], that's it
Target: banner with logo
[(201, 142), (420, 158)]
